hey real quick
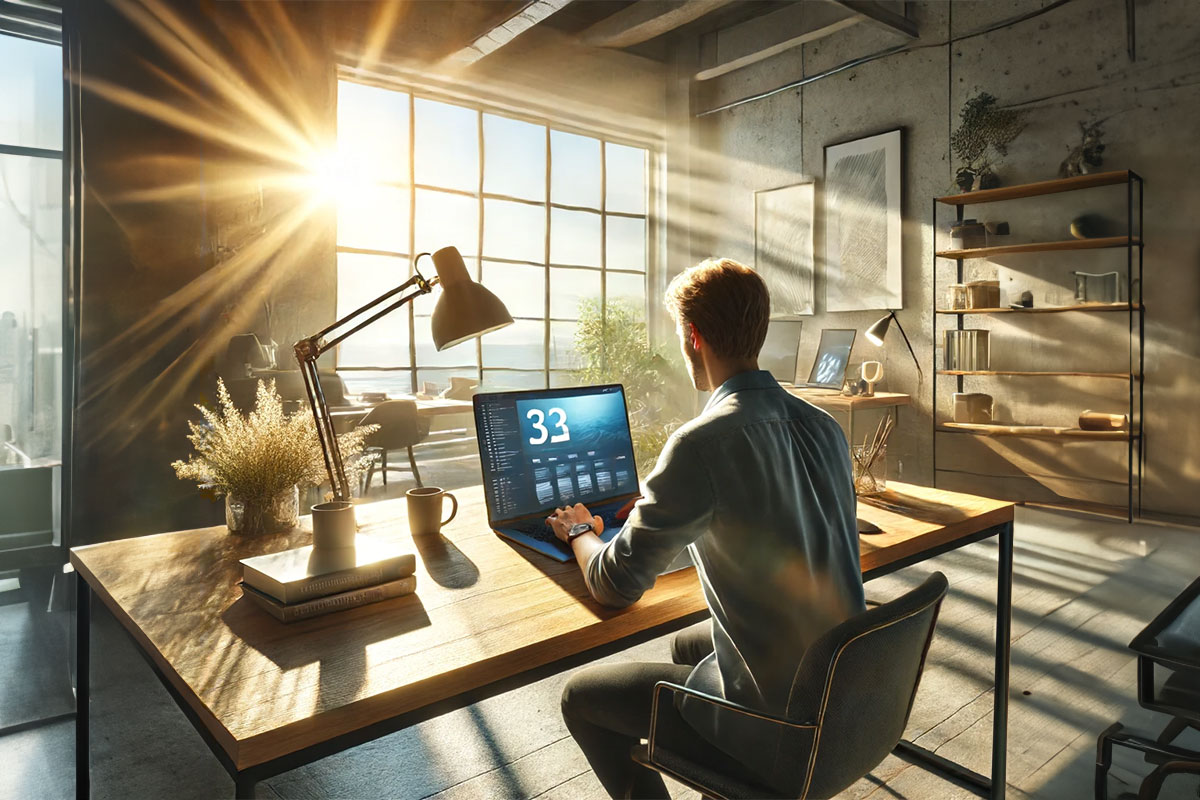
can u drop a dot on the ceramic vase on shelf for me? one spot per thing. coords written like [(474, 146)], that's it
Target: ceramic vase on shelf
[(273, 515)]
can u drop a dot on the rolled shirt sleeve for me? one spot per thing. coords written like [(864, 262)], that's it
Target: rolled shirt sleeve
[(675, 510)]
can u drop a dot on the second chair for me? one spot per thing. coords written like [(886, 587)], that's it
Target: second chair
[(400, 427)]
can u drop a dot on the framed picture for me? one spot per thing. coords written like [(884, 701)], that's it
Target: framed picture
[(783, 246), (862, 223)]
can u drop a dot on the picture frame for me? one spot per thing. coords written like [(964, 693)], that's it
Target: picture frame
[(783, 247), (862, 212)]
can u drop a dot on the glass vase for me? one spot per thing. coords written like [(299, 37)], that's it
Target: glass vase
[(250, 517), (870, 474)]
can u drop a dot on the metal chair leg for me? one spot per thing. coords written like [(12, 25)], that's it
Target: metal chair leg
[(412, 462), (1152, 785), (384, 468), (1104, 759)]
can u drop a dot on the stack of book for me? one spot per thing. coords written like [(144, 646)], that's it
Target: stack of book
[(303, 583)]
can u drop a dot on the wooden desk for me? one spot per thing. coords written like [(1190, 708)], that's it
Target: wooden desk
[(488, 616), (836, 402)]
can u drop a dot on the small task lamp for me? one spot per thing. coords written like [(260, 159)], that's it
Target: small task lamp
[(878, 331), (465, 310)]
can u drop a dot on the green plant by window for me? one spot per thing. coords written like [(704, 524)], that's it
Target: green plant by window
[(614, 347), (257, 456)]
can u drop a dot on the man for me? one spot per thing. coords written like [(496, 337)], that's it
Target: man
[(759, 488)]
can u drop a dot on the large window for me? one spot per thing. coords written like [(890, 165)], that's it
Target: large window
[(547, 219)]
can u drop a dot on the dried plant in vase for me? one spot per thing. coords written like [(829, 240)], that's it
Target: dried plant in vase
[(259, 461), (982, 137)]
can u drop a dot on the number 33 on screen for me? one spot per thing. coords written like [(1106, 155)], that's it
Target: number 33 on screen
[(539, 425)]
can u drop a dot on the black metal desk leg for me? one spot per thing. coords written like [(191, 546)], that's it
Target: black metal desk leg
[(83, 664), (1003, 645)]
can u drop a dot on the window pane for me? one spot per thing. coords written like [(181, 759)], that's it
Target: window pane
[(502, 380), (31, 85), (625, 240), (562, 346), (446, 219), (519, 346), (514, 161), (625, 171), (447, 147), (627, 288), (571, 287), (563, 378), (523, 289), (373, 218), (435, 381), (574, 169), (574, 238), (514, 230), (372, 133), (362, 278), (31, 305), (394, 383)]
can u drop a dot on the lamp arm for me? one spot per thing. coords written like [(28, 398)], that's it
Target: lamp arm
[(312, 348), (911, 352)]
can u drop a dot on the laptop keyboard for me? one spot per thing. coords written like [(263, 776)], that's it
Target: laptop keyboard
[(538, 529)]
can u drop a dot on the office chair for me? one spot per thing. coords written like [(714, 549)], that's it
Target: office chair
[(1168, 677), (400, 427), (849, 704)]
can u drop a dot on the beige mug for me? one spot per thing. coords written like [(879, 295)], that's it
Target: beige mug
[(425, 509)]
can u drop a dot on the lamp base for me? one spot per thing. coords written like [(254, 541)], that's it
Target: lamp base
[(334, 525)]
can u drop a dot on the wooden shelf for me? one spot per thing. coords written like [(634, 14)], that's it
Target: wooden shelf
[(1046, 309), (1124, 376), (1097, 243), (1037, 431), (1040, 188)]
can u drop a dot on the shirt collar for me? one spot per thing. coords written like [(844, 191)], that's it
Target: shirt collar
[(750, 379)]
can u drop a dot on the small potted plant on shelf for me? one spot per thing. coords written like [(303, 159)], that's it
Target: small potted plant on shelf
[(259, 461), (982, 137)]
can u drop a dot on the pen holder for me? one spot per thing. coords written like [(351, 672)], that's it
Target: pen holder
[(870, 474)]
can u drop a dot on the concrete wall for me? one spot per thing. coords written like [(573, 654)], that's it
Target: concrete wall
[(1066, 65)]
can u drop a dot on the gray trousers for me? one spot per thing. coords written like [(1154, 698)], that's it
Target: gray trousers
[(607, 710)]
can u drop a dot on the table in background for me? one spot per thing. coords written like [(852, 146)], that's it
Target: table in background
[(831, 401), (488, 616)]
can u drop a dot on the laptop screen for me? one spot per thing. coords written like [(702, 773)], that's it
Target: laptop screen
[(553, 447)]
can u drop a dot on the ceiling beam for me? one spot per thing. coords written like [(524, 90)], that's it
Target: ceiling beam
[(771, 34), (881, 16), (529, 15), (646, 20)]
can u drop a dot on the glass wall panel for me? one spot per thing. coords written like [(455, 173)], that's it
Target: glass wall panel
[(446, 153), (625, 172), (362, 278), (569, 288), (575, 172), (31, 88), (574, 238), (515, 231), (625, 239), (514, 162)]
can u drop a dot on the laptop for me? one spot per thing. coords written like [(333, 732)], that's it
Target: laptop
[(833, 354), (554, 447), (781, 349)]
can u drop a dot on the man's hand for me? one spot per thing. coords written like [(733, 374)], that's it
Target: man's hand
[(565, 517)]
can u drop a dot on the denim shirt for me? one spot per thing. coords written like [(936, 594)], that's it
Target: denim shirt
[(759, 487)]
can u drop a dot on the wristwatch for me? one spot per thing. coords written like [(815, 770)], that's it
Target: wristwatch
[(579, 529)]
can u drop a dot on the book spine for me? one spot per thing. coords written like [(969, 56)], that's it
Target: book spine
[(324, 585), (351, 599)]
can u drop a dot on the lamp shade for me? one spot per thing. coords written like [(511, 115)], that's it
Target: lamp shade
[(876, 333), (465, 308)]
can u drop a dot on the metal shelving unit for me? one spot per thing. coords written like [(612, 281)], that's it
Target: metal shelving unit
[(1134, 439)]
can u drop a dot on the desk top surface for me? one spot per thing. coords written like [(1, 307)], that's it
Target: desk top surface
[(830, 400), (484, 610)]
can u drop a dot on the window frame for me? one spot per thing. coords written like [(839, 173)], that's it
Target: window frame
[(480, 106)]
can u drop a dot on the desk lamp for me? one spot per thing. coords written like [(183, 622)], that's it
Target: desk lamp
[(878, 331), (464, 310)]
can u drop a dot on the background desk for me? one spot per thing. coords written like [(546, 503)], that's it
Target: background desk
[(488, 616), (848, 404)]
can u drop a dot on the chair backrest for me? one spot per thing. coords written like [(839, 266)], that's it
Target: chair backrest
[(858, 683), (399, 425), (332, 386)]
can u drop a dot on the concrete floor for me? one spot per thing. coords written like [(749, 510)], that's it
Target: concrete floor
[(1083, 588)]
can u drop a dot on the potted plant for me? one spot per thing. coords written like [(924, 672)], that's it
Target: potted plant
[(259, 461), (983, 136), (614, 348)]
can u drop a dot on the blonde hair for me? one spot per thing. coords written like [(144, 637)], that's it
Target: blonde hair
[(727, 302)]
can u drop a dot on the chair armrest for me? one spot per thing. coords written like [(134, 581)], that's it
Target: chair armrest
[(663, 687)]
